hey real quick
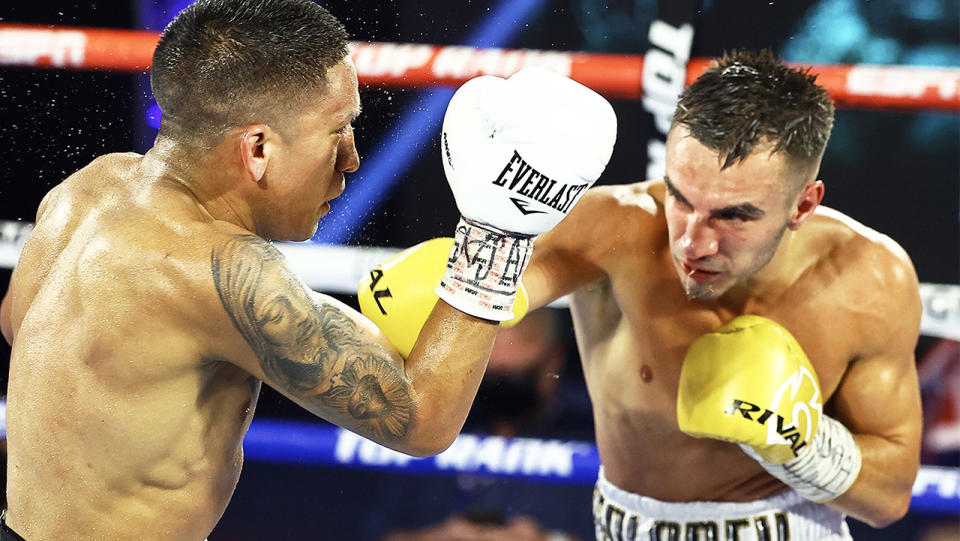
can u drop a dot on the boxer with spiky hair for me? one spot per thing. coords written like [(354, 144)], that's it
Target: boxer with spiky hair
[(749, 353)]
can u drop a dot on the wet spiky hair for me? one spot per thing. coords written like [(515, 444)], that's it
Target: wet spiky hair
[(752, 98)]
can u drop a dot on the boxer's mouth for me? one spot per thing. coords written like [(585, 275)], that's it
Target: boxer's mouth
[(697, 273)]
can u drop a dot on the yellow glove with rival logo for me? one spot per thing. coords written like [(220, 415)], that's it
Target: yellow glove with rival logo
[(749, 382), (399, 294)]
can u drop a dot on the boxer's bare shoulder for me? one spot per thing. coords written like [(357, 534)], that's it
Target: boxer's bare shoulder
[(639, 195), (859, 243), (58, 206), (610, 226), (116, 236), (640, 203), (866, 262)]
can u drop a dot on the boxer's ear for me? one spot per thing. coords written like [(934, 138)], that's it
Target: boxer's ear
[(254, 150), (809, 199)]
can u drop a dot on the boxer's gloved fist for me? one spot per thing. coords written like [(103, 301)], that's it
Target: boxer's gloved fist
[(398, 294), (518, 154), (749, 382)]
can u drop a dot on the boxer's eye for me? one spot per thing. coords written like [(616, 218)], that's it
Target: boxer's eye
[(735, 216)]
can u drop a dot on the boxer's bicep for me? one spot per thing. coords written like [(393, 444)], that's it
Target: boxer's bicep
[(313, 349), (878, 398), (566, 257), (880, 393), (879, 401)]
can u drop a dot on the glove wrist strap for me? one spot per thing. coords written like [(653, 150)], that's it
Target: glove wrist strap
[(483, 270), (824, 470)]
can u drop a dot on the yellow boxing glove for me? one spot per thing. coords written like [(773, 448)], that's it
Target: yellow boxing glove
[(398, 295), (749, 382)]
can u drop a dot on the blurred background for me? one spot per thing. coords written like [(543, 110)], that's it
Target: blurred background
[(898, 172)]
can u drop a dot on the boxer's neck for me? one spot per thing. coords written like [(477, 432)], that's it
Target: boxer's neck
[(209, 176), (778, 274)]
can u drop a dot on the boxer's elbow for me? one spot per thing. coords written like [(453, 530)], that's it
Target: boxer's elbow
[(6, 325), (896, 510), (425, 451), (890, 510), (897, 494), (431, 442), (7, 331)]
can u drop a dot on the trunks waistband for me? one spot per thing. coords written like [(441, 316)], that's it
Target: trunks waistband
[(651, 507)]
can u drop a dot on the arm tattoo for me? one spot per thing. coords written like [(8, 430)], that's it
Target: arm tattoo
[(311, 349)]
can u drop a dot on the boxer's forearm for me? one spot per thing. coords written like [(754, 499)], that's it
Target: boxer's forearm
[(881, 494), (444, 370), (338, 365)]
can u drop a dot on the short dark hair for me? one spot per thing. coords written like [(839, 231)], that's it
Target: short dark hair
[(225, 63), (750, 98)]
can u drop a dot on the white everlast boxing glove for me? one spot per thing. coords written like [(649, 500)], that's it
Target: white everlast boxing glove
[(518, 154)]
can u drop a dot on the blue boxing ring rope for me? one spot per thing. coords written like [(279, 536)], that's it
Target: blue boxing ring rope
[(936, 490)]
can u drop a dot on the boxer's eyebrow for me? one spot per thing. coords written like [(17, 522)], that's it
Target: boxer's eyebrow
[(351, 118), (674, 192), (743, 211)]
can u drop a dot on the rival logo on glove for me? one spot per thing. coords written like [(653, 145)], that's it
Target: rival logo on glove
[(789, 433), (375, 276), (533, 184)]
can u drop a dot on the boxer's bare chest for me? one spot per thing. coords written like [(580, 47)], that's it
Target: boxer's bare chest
[(632, 335)]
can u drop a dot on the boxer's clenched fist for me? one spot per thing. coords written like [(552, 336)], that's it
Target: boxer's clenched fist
[(518, 154), (750, 382), (398, 294)]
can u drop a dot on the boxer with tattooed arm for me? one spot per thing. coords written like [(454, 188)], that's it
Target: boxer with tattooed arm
[(147, 306)]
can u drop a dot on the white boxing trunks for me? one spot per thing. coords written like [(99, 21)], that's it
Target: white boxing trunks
[(619, 515)]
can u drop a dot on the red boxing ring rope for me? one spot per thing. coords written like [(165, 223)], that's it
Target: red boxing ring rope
[(406, 65)]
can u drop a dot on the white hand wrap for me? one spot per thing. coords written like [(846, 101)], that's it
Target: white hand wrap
[(824, 470), (483, 270)]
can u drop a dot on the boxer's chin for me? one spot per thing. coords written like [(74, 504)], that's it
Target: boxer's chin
[(699, 283), (701, 292), (305, 233), (705, 288)]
